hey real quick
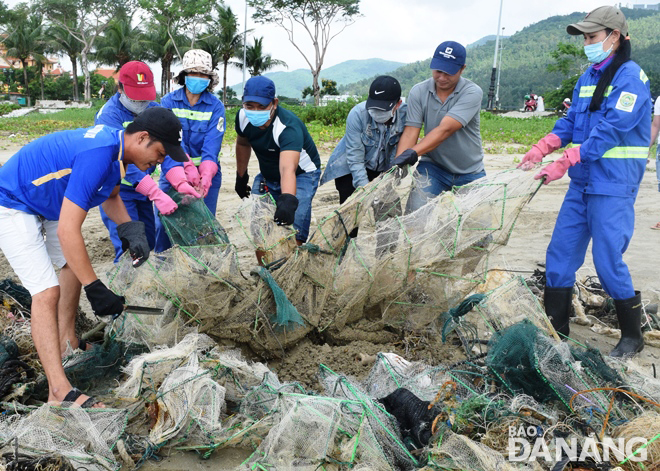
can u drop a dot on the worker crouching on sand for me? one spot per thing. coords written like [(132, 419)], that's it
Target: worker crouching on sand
[(608, 126), (289, 163), (47, 188)]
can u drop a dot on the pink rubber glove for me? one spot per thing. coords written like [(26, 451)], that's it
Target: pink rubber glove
[(192, 175), (149, 188), (177, 178), (559, 167), (207, 171), (545, 146)]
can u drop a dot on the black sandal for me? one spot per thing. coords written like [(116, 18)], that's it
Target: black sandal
[(82, 345), (74, 394)]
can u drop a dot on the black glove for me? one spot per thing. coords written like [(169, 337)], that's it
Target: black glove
[(286, 209), (242, 188), (104, 302), (134, 238), (407, 157)]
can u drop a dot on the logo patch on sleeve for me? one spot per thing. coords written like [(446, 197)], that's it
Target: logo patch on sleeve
[(626, 101)]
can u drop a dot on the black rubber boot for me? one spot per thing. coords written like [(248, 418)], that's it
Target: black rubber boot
[(629, 313), (558, 303)]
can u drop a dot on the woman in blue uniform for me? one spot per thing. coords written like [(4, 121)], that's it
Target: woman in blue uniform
[(608, 127), (202, 117)]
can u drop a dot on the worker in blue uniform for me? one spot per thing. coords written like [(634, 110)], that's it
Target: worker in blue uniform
[(202, 117), (46, 190), (135, 93), (608, 127)]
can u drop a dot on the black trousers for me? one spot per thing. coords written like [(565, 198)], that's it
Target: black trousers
[(345, 186)]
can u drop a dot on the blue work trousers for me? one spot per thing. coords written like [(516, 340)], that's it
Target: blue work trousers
[(607, 220)]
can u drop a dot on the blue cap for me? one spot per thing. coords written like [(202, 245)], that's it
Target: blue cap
[(449, 57), (259, 89)]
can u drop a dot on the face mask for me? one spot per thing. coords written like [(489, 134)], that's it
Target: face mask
[(134, 106), (595, 53), (257, 118), (196, 85), (380, 116)]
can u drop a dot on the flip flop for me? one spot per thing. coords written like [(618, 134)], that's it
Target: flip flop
[(74, 394), (656, 227)]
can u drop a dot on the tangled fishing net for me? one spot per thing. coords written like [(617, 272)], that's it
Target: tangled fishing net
[(182, 389)]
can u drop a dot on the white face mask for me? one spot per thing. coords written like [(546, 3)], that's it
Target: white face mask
[(380, 116), (134, 106)]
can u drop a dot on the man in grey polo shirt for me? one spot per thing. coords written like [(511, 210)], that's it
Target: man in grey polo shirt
[(448, 106)]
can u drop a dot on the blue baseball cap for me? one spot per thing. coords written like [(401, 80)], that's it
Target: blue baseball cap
[(259, 89), (449, 57)]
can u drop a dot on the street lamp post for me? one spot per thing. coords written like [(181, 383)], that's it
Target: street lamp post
[(499, 71), (244, 46), (491, 89)]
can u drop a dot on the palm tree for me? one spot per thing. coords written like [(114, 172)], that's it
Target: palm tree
[(256, 61), (24, 41), (60, 40), (160, 48), (120, 43), (224, 42)]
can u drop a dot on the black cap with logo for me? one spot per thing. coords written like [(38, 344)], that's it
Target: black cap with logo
[(162, 125), (384, 93)]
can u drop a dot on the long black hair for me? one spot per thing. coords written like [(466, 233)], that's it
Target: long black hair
[(621, 56)]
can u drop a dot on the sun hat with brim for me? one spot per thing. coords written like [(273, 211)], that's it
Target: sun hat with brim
[(598, 20), (198, 60)]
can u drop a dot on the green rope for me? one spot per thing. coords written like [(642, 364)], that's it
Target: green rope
[(452, 316)]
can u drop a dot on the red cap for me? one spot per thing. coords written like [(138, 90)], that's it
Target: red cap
[(138, 81)]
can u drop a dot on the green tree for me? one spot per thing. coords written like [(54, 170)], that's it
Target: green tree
[(569, 59), (224, 42), (316, 18), (60, 41), (257, 62), (25, 40), (329, 88), (160, 48), (120, 43), (180, 18), (85, 20)]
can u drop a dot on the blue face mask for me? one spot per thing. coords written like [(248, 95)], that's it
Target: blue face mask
[(595, 53), (257, 118), (196, 85)]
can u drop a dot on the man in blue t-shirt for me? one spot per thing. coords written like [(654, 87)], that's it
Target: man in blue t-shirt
[(47, 188), (289, 164)]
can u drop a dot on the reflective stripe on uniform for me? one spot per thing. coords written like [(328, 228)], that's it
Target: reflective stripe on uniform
[(51, 176), (198, 160), (126, 182), (631, 152), (126, 123), (587, 91), (194, 115)]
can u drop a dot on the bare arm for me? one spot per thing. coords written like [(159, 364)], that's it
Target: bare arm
[(408, 138), (115, 209), (288, 164), (655, 128), (69, 232), (438, 135), (243, 151)]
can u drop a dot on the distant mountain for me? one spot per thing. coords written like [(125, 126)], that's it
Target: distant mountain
[(484, 40), (291, 84), (526, 55)]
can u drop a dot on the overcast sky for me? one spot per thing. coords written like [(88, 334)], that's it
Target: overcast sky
[(406, 30)]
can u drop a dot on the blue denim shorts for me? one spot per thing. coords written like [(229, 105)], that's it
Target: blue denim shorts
[(429, 180), (306, 186)]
